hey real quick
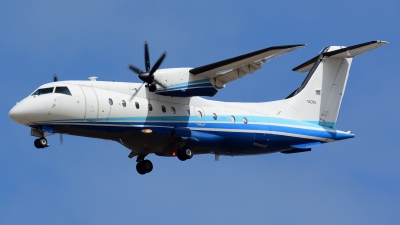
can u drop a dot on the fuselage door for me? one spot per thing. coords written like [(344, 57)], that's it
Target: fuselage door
[(200, 116), (91, 104)]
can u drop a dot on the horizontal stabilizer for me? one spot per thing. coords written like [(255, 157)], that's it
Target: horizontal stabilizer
[(296, 151), (341, 52), (308, 145)]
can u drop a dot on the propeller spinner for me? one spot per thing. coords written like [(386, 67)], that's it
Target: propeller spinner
[(148, 76)]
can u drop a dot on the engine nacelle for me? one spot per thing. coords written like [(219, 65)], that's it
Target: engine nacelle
[(179, 82)]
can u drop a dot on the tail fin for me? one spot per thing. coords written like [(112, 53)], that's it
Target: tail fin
[(318, 98)]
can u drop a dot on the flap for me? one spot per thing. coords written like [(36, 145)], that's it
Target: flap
[(230, 69)]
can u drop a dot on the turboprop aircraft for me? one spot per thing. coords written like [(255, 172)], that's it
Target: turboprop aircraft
[(165, 115)]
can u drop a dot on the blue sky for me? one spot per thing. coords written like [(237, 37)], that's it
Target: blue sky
[(90, 181)]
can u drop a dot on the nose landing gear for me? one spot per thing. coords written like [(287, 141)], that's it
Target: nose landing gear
[(41, 143)]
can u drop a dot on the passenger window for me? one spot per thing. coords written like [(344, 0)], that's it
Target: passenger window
[(62, 90), (43, 91), (233, 118), (123, 103), (137, 105), (173, 110), (163, 109), (215, 116), (245, 120), (150, 107), (110, 101)]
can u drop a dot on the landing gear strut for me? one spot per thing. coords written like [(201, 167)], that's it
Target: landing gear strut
[(143, 166), (41, 143)]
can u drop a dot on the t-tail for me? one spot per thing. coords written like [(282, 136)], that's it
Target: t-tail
[(318, 98)]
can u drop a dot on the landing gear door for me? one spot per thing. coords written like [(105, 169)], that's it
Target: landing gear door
[(200, 116), (262, 133), (91, 104)]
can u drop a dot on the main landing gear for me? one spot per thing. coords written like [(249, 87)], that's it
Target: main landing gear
[(41, 143), (184, 154), (143, 166)]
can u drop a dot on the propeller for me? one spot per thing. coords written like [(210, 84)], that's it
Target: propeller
[(148, 75)]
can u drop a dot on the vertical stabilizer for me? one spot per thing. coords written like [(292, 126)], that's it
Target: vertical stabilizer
[(318, 98)]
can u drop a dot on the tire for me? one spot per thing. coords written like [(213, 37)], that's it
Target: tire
[(37, 144), (147, 166), (184, 154), (140, 168), (181, 157)]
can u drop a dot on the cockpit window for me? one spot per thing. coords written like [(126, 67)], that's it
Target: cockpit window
[(43, 91), (62, 90)]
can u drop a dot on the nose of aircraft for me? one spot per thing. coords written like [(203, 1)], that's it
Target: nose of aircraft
[(17, 113)]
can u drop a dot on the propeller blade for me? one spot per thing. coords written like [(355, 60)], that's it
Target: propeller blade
[(136, 92), (159, 83), (55, 79), (134, 69), (158, 63), (61, 139), (146, 56)]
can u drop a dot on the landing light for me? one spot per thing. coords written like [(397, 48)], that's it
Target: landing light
[(147, 131)]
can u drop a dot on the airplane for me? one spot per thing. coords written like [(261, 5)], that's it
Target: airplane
[(166, 114)]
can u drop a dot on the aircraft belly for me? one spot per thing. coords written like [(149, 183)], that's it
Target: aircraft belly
[(130, 137)]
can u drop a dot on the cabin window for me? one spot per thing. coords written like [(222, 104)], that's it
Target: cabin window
[(62, 90), (173, 110), (150, 107), (110, 101), (188, 112), (233, 118), (43, 91), (245, 120), (123, 103), (215, 116), (163, 109), (137, 105)]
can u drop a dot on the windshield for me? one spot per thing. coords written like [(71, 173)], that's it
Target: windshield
[(62, 90), (43, 91)]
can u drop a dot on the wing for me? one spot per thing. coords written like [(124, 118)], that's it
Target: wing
[(228, 70)]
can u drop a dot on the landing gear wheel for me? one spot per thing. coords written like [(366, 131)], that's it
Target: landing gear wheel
[(188, 153), (41, 143), (144, 167), (139, 168), (147, 165), (184, 154), (36, 143)]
